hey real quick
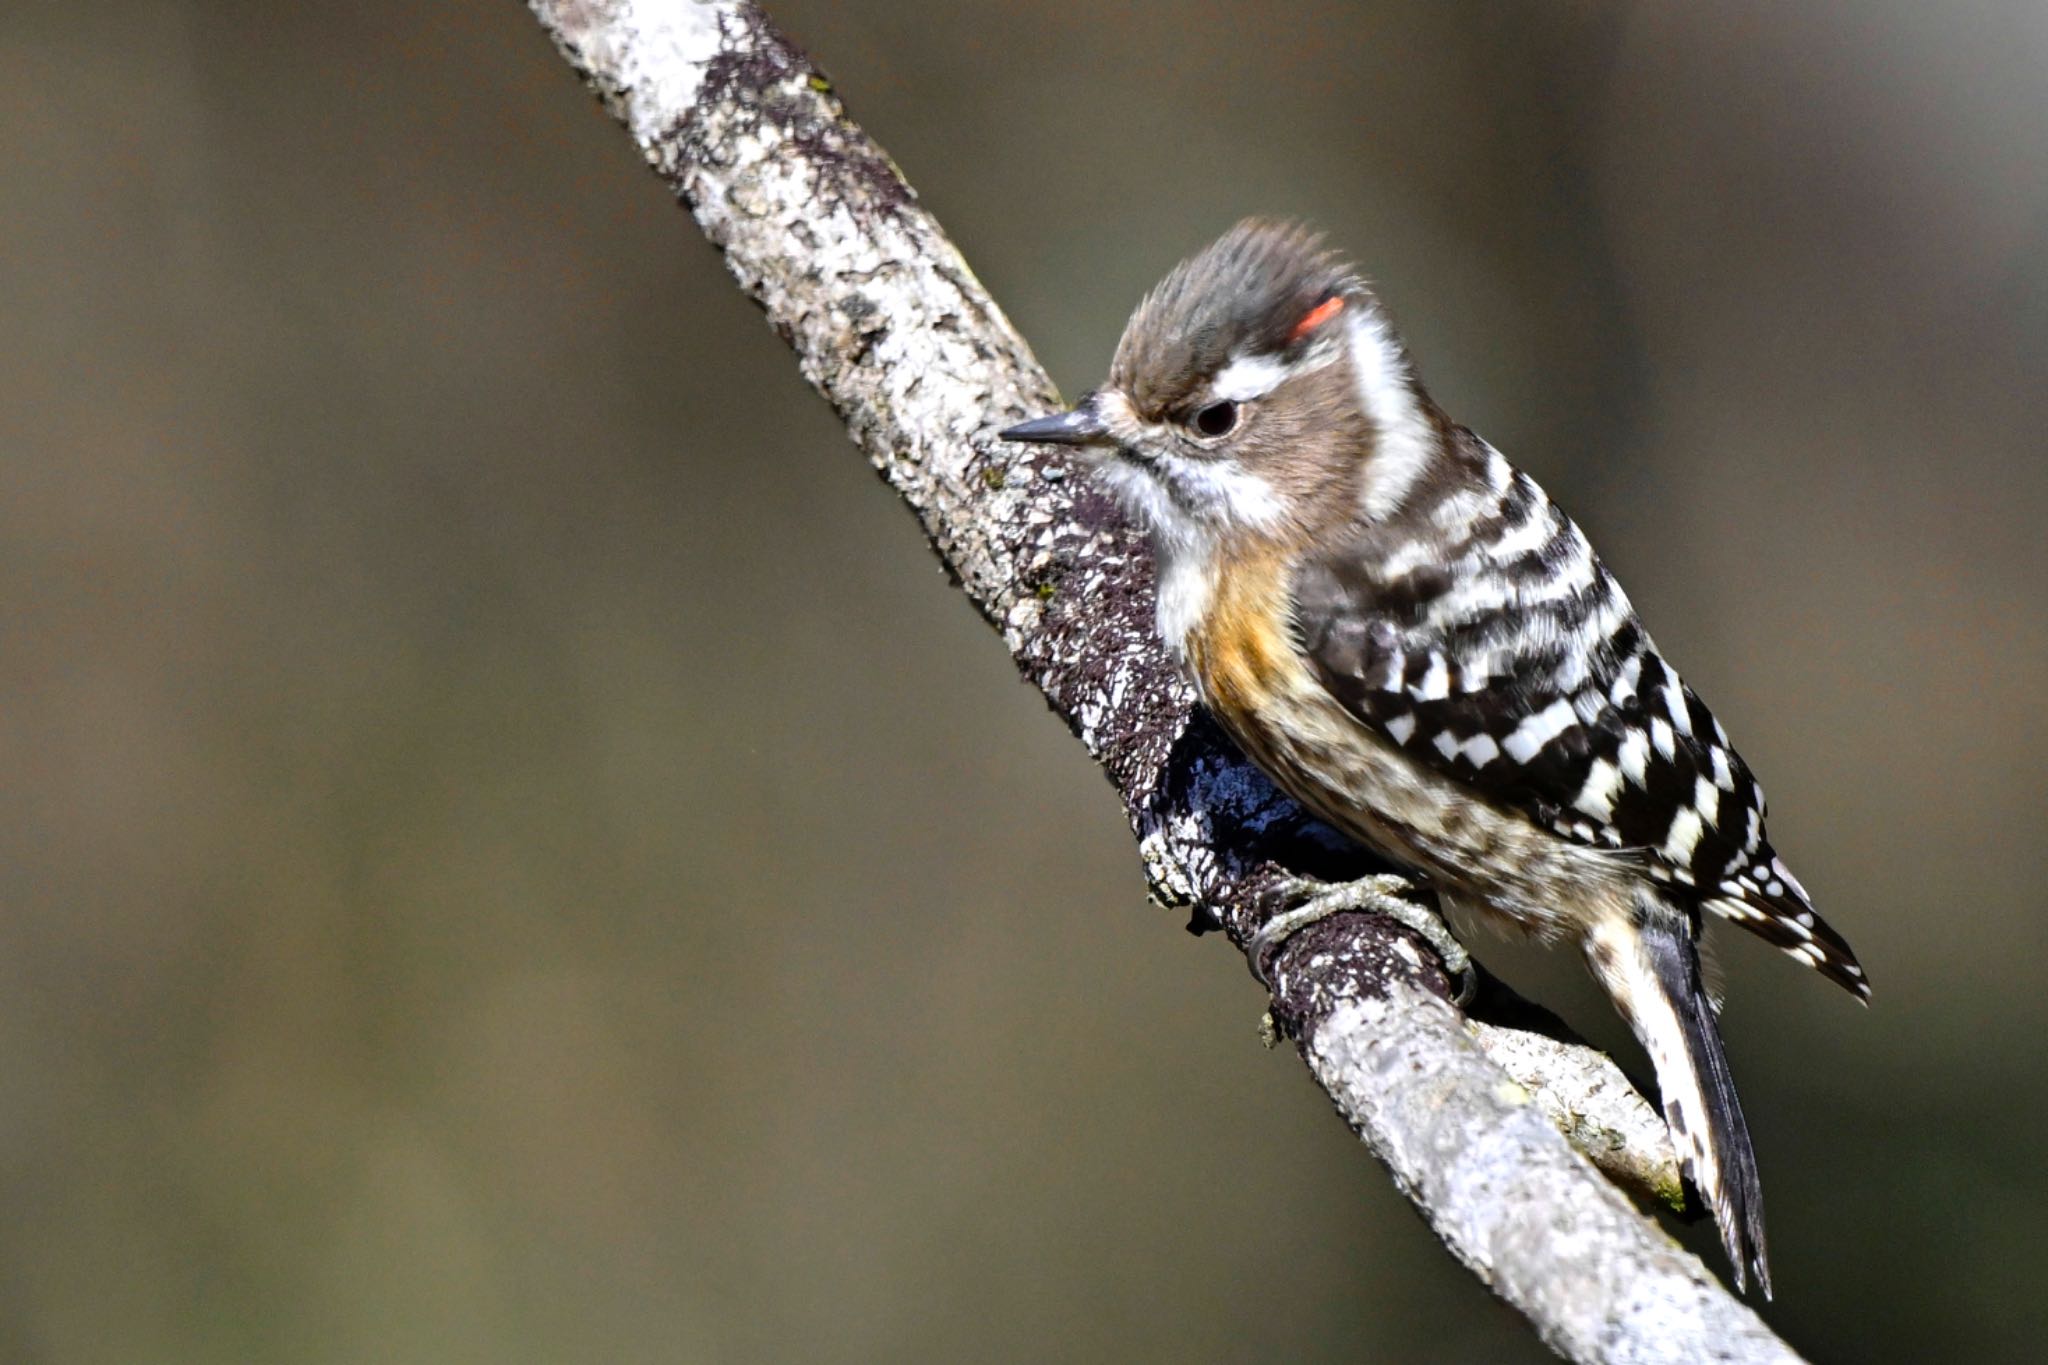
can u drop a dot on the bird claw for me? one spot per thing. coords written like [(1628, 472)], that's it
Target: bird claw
[(1385, 894)]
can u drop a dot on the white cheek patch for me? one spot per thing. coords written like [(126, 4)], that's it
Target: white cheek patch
[(1406, 441), (1224, 492)]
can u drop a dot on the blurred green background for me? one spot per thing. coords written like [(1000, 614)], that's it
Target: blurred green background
[(511, 850)]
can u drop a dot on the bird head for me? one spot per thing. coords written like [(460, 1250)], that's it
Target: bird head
[(1251, 395)]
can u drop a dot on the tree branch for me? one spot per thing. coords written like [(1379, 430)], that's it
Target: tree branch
[(890, 325)]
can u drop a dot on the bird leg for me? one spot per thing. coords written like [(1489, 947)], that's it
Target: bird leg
[(1313, 901)]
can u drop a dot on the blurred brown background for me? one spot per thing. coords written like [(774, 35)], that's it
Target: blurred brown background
[(510, 849)]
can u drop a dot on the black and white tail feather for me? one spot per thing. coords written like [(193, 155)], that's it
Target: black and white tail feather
[(1665, 998)]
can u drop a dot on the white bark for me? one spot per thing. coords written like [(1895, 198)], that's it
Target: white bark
[(890, 325)]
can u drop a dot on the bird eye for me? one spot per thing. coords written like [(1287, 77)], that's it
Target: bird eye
[(1217, 419)]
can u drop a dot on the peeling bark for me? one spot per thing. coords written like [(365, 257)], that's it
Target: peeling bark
[(891, 327)]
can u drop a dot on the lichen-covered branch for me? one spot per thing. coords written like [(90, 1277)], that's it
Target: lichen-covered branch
[(890, 325)]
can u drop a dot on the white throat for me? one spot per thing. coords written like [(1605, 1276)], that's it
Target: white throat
[(1183, 548), (1188, 505), (1187, 580)]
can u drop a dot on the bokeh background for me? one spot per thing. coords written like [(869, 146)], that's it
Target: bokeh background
[(511, 850)]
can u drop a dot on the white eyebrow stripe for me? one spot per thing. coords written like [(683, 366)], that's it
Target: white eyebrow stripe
[(1248, 377)]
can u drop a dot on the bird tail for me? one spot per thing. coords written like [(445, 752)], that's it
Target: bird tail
[(1652, 969)]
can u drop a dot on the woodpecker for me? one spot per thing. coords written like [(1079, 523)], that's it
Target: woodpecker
[(1417, 645)]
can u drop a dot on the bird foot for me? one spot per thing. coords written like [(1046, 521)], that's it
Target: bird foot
[(1314, 901)]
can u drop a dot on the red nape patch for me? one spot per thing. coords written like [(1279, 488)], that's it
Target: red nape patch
[(1317, 316)]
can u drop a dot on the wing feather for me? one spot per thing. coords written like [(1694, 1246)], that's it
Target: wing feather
[(1523, 674)]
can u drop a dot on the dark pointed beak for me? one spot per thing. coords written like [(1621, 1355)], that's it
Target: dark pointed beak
[(1078, 426)]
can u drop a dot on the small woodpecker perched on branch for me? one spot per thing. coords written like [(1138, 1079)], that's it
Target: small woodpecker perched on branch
[(1404, 631)]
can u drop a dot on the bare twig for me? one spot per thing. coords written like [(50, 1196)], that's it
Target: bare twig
[(890, 325)]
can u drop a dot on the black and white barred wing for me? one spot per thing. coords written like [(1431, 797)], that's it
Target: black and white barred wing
[(1516, 666)]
